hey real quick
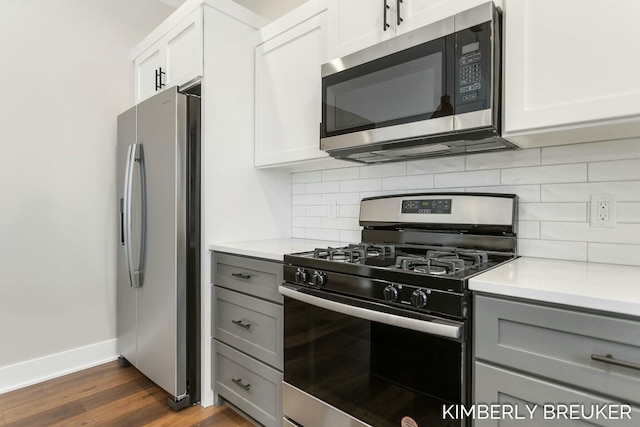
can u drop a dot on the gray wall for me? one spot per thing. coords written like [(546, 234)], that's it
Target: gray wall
[(66, 75)]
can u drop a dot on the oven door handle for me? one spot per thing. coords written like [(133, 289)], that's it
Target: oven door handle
[(429, 327)]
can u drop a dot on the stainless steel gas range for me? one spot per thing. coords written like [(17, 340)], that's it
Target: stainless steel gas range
[(379, 333)]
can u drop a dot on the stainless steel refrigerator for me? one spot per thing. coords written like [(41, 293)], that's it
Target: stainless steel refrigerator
[(158, 292)]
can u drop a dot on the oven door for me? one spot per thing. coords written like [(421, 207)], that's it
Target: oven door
[(395, 90), (351, 365)]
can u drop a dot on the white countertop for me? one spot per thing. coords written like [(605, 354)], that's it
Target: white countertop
[(605, 287), (274, 249)]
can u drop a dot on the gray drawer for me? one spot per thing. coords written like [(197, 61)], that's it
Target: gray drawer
[(249, 324), (557, 344), (248, 275), (251, 386), (500, 386)]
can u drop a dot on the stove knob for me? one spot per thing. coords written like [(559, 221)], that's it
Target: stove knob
[(419, 298), (390, 293), (319, 278), (301, 276)]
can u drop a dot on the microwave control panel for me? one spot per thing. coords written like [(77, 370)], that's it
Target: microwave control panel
[(473, 68), (470, 72)]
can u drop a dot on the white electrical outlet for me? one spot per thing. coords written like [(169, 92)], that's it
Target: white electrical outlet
[(332, 209), (603, 210)]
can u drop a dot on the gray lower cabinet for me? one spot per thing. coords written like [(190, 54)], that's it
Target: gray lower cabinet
[(527, 354), (255, 277), (247, 326), (248, 384), (532, 402)]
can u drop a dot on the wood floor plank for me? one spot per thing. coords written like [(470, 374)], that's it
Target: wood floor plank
[(55, 394), (186, 417), (217, 419), (105, 396), (196, 415), (134, 409), (50, 416), (232, 419), (49, 388)]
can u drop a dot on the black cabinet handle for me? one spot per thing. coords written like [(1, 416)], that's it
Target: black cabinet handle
[(157, 80), (385, 7), (399, 20), (612, 361), (242, 276), (241, 324), (238, 382), (160, 74)]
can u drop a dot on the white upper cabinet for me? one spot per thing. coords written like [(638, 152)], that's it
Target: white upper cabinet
[(173, 60), (356, 24), (183, 47), (571, 71), (288, 88), (417, 13), (147, 68)]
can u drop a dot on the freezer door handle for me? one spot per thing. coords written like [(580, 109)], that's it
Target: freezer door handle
[(135, 156)]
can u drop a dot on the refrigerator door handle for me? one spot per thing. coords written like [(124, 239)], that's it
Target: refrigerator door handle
[(135, 155)]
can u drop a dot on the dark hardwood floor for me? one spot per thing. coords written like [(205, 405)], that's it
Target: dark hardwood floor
[(106, 395)]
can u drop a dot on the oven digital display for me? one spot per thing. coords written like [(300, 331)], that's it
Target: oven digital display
[(431, 206)]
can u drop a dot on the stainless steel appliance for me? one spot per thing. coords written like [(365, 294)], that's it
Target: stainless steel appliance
[(158, 282), (379, 333), (430, 92)]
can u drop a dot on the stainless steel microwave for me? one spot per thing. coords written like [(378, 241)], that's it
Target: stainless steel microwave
[(430, 92)]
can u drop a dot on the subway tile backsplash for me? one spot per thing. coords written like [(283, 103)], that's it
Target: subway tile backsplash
[(554, 185)]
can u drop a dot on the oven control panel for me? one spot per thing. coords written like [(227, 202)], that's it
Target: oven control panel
[(407, 295), (426, 206), (310, 277), (393, 294)]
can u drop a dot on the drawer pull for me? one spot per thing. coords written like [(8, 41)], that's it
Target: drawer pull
[(238, 382), (239, 323), (242, 276), (609, 359)]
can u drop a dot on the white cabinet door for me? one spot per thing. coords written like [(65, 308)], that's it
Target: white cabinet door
[(146, 68), (418, 13), (288, 94), (173, 60), (183, 46), (569, 64), (356, 24)]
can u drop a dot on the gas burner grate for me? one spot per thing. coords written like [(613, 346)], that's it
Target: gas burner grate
[(442, 262), (354, 252)]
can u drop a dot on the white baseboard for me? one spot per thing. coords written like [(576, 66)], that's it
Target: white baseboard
[(33, 371)]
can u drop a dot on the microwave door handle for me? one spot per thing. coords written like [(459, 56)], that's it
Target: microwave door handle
[(433, 328)]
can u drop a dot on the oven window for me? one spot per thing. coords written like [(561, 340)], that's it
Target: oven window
[(407, 86), (374, 372)]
